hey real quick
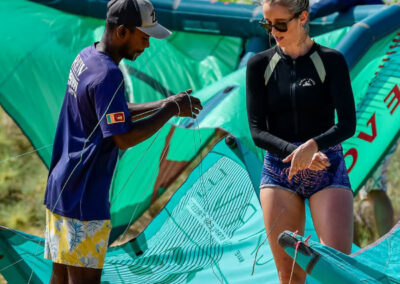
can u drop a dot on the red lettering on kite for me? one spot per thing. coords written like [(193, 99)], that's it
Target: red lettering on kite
[(352, 152), (366, 136), (396, 92)]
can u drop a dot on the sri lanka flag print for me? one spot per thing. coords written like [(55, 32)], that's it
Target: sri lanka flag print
[(115, 117)]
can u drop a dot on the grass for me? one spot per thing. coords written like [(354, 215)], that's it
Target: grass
[(22, 181)]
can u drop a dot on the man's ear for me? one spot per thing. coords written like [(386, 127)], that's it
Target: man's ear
[(121, 31)]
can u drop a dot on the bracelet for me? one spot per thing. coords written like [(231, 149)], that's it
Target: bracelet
[(190, 102), (179, 109)]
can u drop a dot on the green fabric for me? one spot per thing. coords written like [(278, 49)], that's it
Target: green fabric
[(377, 263), (226, 109), (332, 38), (212, 225), (35, 63), (364, 71), (369, 100), (185, 145), (33, 96), (33, 268), (373, 79), (209, 230), (128, 197), (133, 185)]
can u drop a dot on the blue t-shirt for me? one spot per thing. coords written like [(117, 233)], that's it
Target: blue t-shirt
[(84, 153)]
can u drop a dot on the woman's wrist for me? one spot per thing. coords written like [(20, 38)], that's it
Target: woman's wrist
[(313, 145)]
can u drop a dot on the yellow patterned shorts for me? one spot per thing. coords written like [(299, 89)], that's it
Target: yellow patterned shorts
[(76, 243)]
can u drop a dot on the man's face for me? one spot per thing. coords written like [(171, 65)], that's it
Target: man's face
[(134, 44)]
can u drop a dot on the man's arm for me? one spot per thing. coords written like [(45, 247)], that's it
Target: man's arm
[(182, 105), (145, 128), (142, 110)]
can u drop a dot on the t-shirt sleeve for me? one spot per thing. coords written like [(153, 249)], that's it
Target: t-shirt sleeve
[(111, 105)]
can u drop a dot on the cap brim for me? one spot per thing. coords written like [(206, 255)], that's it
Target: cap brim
[(156, 31)]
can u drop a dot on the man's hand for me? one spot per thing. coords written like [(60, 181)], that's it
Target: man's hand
[(186, 105)]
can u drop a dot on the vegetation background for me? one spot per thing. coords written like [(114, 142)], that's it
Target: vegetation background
[(23, 181)]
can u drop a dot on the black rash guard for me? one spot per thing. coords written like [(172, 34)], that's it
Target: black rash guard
[(298, 102)]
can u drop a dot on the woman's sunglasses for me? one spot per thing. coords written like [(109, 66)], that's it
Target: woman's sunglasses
[(279, 26)]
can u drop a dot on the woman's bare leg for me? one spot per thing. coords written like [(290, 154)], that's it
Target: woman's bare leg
[(332, 213), (283, 210)]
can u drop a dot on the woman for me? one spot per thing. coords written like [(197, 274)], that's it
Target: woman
[(293, 91)]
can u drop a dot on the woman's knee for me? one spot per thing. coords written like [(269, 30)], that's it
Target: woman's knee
[(297, 276), (286, 269)]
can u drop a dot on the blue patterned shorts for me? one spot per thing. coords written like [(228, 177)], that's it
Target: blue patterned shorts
[(306, 182)]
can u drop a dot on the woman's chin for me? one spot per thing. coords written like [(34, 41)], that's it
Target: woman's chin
[(280, 44), (280, 41)]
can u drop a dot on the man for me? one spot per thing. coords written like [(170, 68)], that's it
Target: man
[(95, 121)]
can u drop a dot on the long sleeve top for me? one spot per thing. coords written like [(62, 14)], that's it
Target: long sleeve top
[(299, 100)]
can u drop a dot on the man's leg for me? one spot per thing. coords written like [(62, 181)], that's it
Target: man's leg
[(59, 275), (383, 210), (82, 262), (83, 275)]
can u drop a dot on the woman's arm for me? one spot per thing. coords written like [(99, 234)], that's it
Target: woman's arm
[(339, 88), (256, 110)]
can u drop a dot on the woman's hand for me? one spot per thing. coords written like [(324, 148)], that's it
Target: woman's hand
[(319, 162), (301, 157)]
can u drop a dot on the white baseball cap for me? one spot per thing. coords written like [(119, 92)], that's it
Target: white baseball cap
[(136, 13)]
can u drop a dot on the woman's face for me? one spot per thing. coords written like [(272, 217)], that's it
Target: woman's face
[(275, 13)]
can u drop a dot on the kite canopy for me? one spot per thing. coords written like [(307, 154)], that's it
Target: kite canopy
[(377, 263), (188, 197)]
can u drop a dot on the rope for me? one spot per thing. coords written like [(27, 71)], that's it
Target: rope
[(270, 231), (155, 173), (50, 145), (122, 81), (26, 153), (294, 261), (203, 187)]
